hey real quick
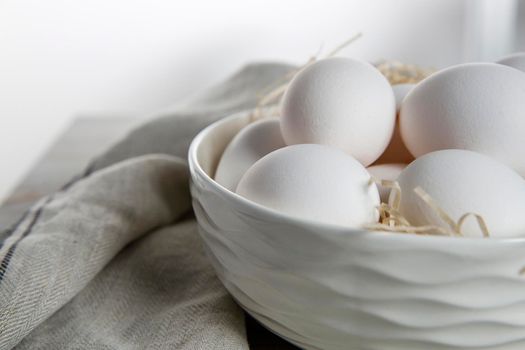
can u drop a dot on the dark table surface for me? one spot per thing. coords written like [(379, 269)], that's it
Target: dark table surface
[(81, 141)]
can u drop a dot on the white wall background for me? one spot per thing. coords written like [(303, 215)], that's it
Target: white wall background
[(62, 58)]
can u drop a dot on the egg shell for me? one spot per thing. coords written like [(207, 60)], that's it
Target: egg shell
[(516, 60), (475, 106), (251, 144), (313, 182), (340, 102), (461, 182), (385, 172)]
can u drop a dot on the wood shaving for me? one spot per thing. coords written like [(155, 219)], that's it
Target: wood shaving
[(402, 73), (391, 220)]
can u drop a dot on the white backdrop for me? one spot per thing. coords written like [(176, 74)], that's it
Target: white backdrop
[(62, 58)]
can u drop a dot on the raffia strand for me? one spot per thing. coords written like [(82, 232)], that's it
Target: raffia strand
[(391, 219)]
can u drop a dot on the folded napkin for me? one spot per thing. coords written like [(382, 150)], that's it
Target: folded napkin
[(114, 260)]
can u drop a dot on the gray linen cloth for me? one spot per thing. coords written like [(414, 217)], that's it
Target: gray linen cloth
[(114, 260)]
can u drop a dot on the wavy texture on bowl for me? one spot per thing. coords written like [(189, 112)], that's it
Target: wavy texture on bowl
[(327, 287)]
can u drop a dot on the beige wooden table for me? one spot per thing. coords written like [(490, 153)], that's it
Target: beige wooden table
[(67, 157)]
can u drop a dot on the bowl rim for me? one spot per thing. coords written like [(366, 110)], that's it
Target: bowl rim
[(195, 167)]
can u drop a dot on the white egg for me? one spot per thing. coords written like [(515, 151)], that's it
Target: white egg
[(340, 102), (385, 172), (251, 144), (460, 182), (475, 106), (516, 60), (313, 182), (400, 91)]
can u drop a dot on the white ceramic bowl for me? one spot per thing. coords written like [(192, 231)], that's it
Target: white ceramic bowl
[(328, 287)]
